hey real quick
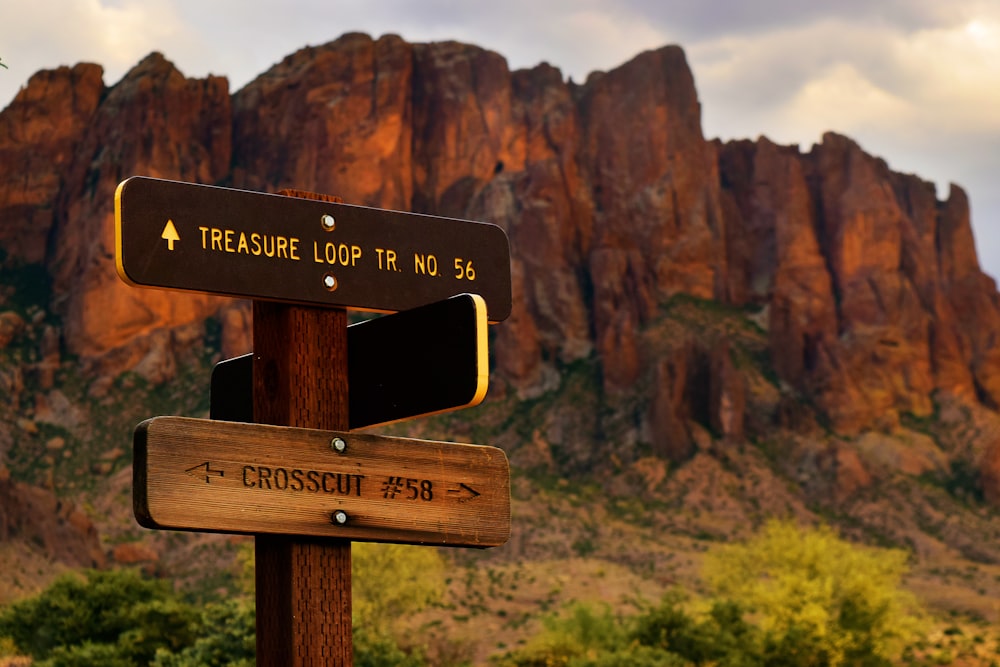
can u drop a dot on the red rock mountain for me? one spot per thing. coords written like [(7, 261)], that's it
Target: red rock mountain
[(868, 287)]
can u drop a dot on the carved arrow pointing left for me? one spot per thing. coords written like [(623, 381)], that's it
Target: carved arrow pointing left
[(206, 470)]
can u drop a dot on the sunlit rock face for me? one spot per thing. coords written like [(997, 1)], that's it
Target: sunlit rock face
[(39, 135), (874, 291), (868, 287)]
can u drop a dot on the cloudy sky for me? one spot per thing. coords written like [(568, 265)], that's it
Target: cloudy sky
[(916, 82)]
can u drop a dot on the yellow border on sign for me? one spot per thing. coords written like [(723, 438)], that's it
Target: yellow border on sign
[(482, 352), (119, 257)]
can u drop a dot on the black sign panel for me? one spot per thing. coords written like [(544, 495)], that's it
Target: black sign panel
[(249, 244), (423, 361)]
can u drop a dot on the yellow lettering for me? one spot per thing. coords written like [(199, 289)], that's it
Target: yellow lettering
[(269, 245), (465, 269), (389, 255), (355, 254), (425, 264)]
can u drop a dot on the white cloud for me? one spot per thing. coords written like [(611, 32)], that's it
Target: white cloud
[(841, 97), (45, 34), (959, 68)]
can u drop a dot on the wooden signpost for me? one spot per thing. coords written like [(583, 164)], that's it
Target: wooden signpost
[(304, 259)]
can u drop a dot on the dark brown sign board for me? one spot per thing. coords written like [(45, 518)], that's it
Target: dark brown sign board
[(204, 475), (419, 362), (203, 238)]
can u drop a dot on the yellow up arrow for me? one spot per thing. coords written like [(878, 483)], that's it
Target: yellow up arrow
[(170, 234)]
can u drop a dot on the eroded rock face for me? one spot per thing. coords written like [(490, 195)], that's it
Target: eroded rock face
[(153, 122), (870, 282), (40, 136), (872, 296), (605, 217), (335, 119), (35, 515)]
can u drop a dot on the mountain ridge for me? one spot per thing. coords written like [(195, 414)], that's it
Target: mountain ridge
[(606, 187)]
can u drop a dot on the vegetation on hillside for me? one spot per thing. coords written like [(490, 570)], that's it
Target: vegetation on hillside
[(788, 596), (588, 487)]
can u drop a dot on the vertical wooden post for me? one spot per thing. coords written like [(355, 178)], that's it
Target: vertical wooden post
[(303, 585)]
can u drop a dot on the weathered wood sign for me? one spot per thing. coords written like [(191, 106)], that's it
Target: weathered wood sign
[(202, 238), (197, 474), (424, 361)]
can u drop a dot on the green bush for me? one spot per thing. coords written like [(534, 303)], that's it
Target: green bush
[(378, 650), (815, 601), (392, 582), (116, 615), (817, 596), (226, 638), (581, 633), (635, 656)]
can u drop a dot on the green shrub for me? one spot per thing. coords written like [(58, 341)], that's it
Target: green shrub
[(117, 615), (817, 595), (226, 638)]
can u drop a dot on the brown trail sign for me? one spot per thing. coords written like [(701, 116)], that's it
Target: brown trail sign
[(196, 474), (282, 250), (250, 244)]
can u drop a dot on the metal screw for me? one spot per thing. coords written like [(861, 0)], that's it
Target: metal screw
[(340, 516), (329, 281), (338, 445), (328, 222)]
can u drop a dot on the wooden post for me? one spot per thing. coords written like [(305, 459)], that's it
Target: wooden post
[(303, 585)]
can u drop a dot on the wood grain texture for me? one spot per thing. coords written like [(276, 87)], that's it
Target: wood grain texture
[(205, 475), (303, 586)]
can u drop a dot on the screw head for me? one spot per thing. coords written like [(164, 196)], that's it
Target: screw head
[(338, 445), (330, 281), (339, 517), (328, 222)]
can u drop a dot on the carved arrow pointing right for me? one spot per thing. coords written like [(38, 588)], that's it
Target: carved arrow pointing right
[(465, 493)]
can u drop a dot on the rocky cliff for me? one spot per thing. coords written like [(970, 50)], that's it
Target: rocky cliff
[(867, 287)]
